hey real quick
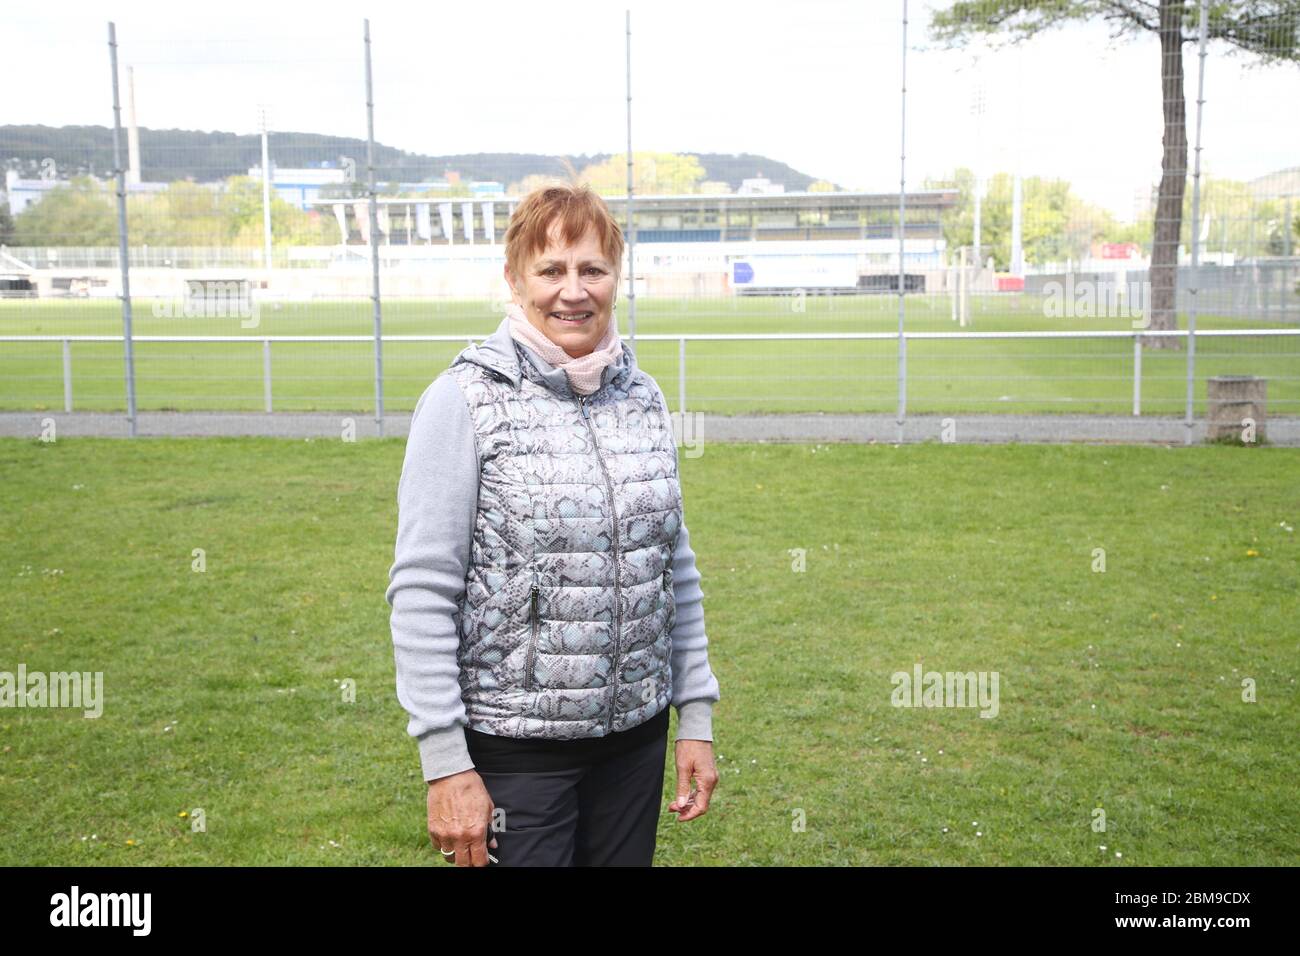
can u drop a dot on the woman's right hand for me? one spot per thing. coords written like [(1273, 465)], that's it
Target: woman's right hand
[(460, 818)]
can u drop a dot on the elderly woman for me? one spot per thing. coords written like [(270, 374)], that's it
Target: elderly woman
[(546, 605)]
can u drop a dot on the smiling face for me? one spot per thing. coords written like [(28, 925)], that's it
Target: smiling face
[(567, 292)]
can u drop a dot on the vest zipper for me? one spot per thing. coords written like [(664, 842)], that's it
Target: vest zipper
[(613, 510), (532, 644)]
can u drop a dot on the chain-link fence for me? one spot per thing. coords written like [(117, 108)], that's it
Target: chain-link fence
[(1027, 276)]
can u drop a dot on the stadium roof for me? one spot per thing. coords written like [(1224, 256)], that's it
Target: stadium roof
[(806, 200), (929, 196)]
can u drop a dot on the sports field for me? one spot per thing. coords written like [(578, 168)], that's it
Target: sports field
[(1121, 689), (944, 376)]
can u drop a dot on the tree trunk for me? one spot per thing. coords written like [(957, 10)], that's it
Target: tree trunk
[(1173, 180)]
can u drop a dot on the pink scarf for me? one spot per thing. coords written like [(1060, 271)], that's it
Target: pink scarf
[(585, 372)]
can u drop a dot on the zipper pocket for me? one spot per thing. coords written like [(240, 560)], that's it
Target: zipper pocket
[(668, 584), (532, 644)]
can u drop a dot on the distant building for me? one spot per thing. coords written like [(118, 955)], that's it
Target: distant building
[(21, 193), (301, 187), (759, 186), (1280, 183), (782, 216), (692, 217)]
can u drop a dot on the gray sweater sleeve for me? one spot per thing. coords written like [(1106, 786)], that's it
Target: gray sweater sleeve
[(437, 499), (695, 688)]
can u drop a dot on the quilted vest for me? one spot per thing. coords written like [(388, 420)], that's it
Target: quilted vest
[(568, 606)]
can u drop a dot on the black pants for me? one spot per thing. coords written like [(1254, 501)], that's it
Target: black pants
[(601, 812)]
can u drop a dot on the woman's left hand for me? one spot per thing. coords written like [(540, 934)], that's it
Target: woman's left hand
[(694, 759)]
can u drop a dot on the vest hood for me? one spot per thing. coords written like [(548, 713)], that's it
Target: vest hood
[(501, 354)]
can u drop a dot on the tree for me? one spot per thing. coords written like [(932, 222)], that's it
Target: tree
[(653, 174), (83, 212), (1266, 29), (6, 225), (184, 215), (1240, 223), (1057, 225), (530, 182), (77, 213), (239, 209)]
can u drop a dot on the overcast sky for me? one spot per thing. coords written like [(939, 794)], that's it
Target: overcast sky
[(813, 84)]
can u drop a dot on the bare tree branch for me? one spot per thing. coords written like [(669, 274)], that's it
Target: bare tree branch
[(1143, 16)]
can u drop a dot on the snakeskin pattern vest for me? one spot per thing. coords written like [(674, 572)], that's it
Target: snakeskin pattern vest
[(568, 606)]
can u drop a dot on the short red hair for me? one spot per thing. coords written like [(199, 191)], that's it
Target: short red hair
[(576, 208)]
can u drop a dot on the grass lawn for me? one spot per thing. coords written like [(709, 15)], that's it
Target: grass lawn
[(944, 376), (1119, 690)]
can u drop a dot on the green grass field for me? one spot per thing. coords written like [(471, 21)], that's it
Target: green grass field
[(944, 376), (1120, 690)]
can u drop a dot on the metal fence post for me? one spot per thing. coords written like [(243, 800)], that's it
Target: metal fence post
[(123, 249), (902, 383), (374, 242), (67, 375), (1196, 242), (1137, 375), (902, 233), (681, 379), (266, 372)]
